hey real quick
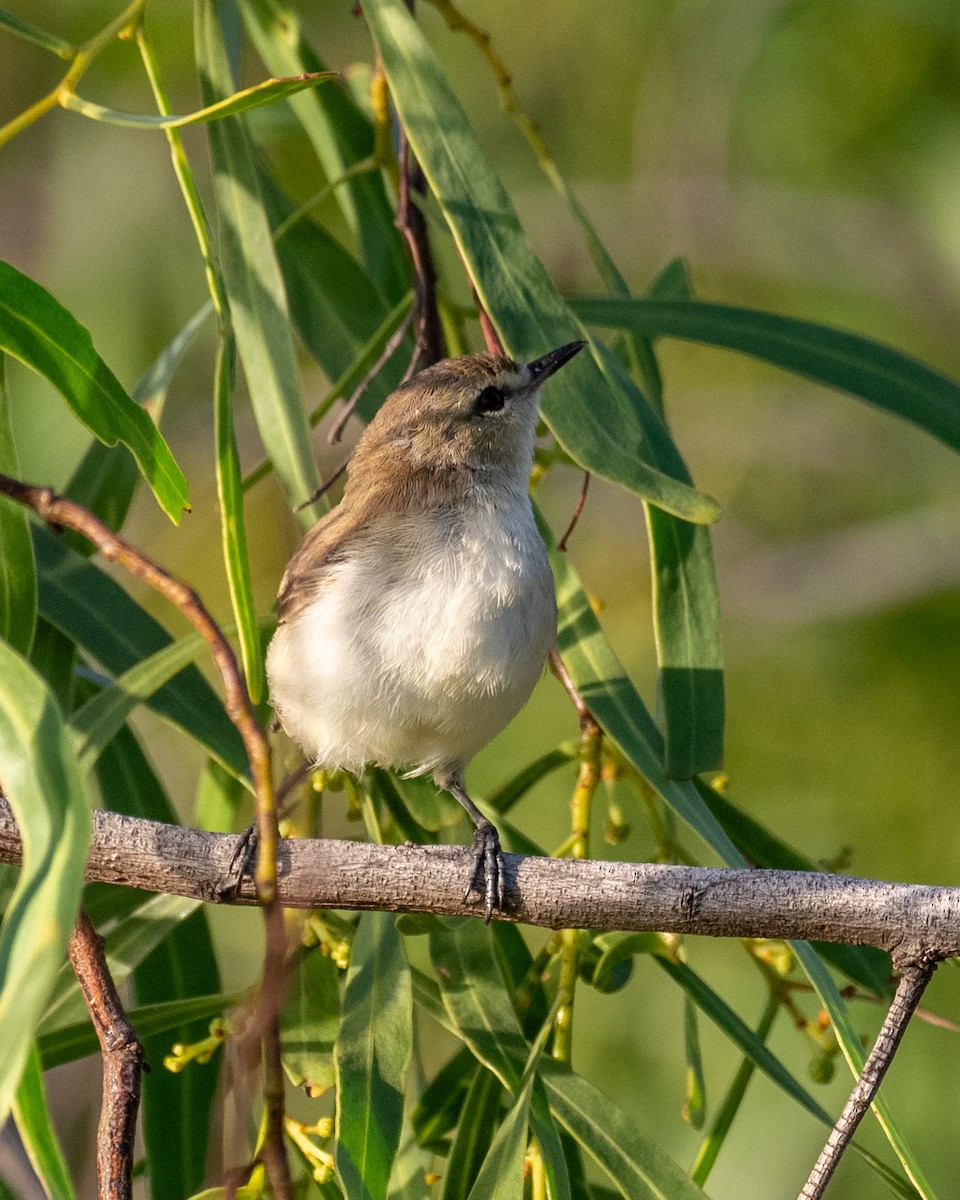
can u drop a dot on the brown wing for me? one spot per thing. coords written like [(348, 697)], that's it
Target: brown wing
[(321, 546)]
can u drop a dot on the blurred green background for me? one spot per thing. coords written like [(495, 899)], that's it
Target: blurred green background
[(803, 157)]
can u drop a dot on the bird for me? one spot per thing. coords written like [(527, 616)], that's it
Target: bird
[(417, 615)]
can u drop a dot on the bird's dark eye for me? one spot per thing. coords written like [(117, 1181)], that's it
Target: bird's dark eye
[(490, 400)]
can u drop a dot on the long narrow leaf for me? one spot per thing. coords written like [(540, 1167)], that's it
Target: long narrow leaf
[(43, 784), (71, 1042), (614, 701), (371, 1058), (342, 135), (502, 1172), (233, 533), (126, 947), (637, 1166), (106, 477), (18, 571), (258, 304), (602, 427), (36, 329), (478, 1001), (886, 377), (86, 604), (103, 715), (36, 1131)]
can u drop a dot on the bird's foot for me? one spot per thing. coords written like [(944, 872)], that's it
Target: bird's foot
[(241, 864), (486, 878)]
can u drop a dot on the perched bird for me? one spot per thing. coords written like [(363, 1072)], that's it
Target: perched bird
[(416, 617)]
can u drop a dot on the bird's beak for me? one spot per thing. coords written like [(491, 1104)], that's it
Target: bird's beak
[(542, 368)]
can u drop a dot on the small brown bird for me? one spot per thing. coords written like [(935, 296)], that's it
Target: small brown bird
[(416, 617)]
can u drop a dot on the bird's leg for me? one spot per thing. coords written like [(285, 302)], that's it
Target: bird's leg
[(487, 874)]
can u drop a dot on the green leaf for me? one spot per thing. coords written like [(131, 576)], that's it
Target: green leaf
[(126, 947), (689, 653), (18, 572), (106, 477), (342, 135), (886, 377), (637, 1166), (614, 701), (695, 1104), (36, 329), (478, 1002), (729, 1023), (309, 1021), (713, 1142), (438, 1110), (177, 1108), (602, 426), (502, 1172), (233, 534), (371, 1058), (335, 306), (258, 303), (79, 1040), (478, 1116), (90, 608), (251, 97), (44, 786), (37, 1133), (504, 798), (103, 715), (756, 1050)]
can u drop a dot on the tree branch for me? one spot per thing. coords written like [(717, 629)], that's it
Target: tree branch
[(916, 975), (911, 919), (122, 1056)]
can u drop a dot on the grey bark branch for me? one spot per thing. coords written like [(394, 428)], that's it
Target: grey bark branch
[(913, 920), (916, 976)]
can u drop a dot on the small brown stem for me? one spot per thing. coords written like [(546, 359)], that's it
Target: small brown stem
[(559, 668), (916, 975), (386, 354), (122, 1062), (412, 224), (562, 544)]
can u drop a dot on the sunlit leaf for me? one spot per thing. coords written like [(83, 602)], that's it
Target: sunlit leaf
[(342, 135), (36, 329), (106, 477), (258, 304), (886, 377), (18, 572), (603, 428), (310, 1020), (44, 786), (86, 604), (36, 1131), (371, 1058)]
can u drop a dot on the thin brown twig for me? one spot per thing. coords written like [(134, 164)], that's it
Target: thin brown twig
[(386, 354), (490, 335), (562, 544), (122, 1056), (559, 668), (916, 975), (64, 513), (412, 224)]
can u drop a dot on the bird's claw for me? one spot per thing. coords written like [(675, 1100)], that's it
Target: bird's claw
[(241, 864), (486, 877)]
